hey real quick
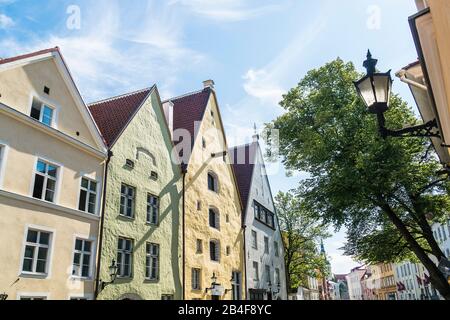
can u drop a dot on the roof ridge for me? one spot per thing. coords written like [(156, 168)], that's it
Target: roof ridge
[(124, 95), (185, 95), (28, 55)]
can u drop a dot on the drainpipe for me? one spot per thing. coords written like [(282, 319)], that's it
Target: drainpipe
[(102, 223), (184, 172), (244, 227), (402, 76)]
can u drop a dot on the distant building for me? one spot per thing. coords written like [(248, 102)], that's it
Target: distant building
[(354, 283)]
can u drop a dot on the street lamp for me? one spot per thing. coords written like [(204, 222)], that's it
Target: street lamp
[(375, 90), (214, 283), (113, 270)]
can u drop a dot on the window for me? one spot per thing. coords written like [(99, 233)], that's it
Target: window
[(227, 218), (228, 250), (196, 279), (214, 219), (152, 209), (88, 196), (212, 182), (444, 233), (257, 211), (167, 297), (42, 112), (45, 181), (277, 277), (2, 155), (199, 246), (266, 245), (236, 285), (264, 215), (267, 271), (255, 271), (203, 143), (152, 261), (214, 250), (28, 298), (277, 249), (199, 205), (254, 239), (82, 258), (124, 257), (127, 196), (36, 253)]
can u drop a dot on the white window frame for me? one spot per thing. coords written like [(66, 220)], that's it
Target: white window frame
[(152, 207), (254, 235), (151, 256), (86, 296), (59, 169), (255, 267), (47, 102), (133, 208), (4, 149), (92, 268), (198, 272), (218, 255), (33, 295), (97, 193), (236, 285), (48, 273), (119, 275)]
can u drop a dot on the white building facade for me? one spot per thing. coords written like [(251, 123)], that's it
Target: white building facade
[(354, 283), (264, 251)]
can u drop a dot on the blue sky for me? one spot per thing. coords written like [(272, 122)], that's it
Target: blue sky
[(254, 50)]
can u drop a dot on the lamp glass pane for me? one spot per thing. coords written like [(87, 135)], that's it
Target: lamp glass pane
[(382, 84), (366, 91)]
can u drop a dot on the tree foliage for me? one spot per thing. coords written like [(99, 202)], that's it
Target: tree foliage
[(301, 237), (381, 190)]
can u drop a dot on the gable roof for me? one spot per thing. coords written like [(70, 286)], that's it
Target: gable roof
[(189, 109), (114, 114), (56, 55), (244, 158)]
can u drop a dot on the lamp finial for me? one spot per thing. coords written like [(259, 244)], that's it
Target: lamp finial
[(370, 64)]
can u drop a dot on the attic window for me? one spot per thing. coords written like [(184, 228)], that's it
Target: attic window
[(129, 164), (42, 112), (203, 143), (46, 90), (154, 175)]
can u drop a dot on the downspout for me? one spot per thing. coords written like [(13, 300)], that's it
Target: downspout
[(402, 76), (102, 223), (244, 228), (184, 171)]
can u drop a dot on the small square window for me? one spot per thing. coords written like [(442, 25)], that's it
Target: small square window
[(199, 246), (46, 90), (228, 250), (129, 164), (199, 205)]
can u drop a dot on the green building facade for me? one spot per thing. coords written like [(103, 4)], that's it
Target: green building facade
[(142, 213)]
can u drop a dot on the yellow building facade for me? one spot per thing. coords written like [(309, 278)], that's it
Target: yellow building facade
[(51, 175), (213, 265)]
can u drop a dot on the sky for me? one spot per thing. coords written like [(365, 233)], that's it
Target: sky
[(254, 50)]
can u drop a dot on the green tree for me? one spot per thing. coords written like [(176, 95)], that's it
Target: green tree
[(383, 191), (301, 237)]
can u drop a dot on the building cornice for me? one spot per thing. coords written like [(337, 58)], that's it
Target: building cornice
[(48, 205), (50, 131)]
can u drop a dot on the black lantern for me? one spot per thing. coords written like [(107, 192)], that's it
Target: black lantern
[(113, 270), (375, 90)]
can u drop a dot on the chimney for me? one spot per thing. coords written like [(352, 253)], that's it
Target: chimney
[(168, 113), (208, 84)]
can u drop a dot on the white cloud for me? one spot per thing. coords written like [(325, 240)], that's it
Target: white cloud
[(119, 52), (5, 21), (228, 10), (259, 84)]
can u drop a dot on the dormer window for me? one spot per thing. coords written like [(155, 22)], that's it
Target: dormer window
[(42, 112), (213, 182)]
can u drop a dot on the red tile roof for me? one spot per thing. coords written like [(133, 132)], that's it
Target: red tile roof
[(114, 114), (28, 55), (243, 168), (189, 109)]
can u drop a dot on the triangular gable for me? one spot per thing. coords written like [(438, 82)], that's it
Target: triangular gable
[(55, 54), (114, 114)]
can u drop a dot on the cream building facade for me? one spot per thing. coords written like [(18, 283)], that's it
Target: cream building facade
[(51, 173), (213, 247)]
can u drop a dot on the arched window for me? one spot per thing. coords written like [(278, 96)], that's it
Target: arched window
[(214, 250), (213, 183), (214, 219)]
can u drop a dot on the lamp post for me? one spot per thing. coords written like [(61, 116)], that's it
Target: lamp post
[(375, 90), (214, 283), (113, 270)]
